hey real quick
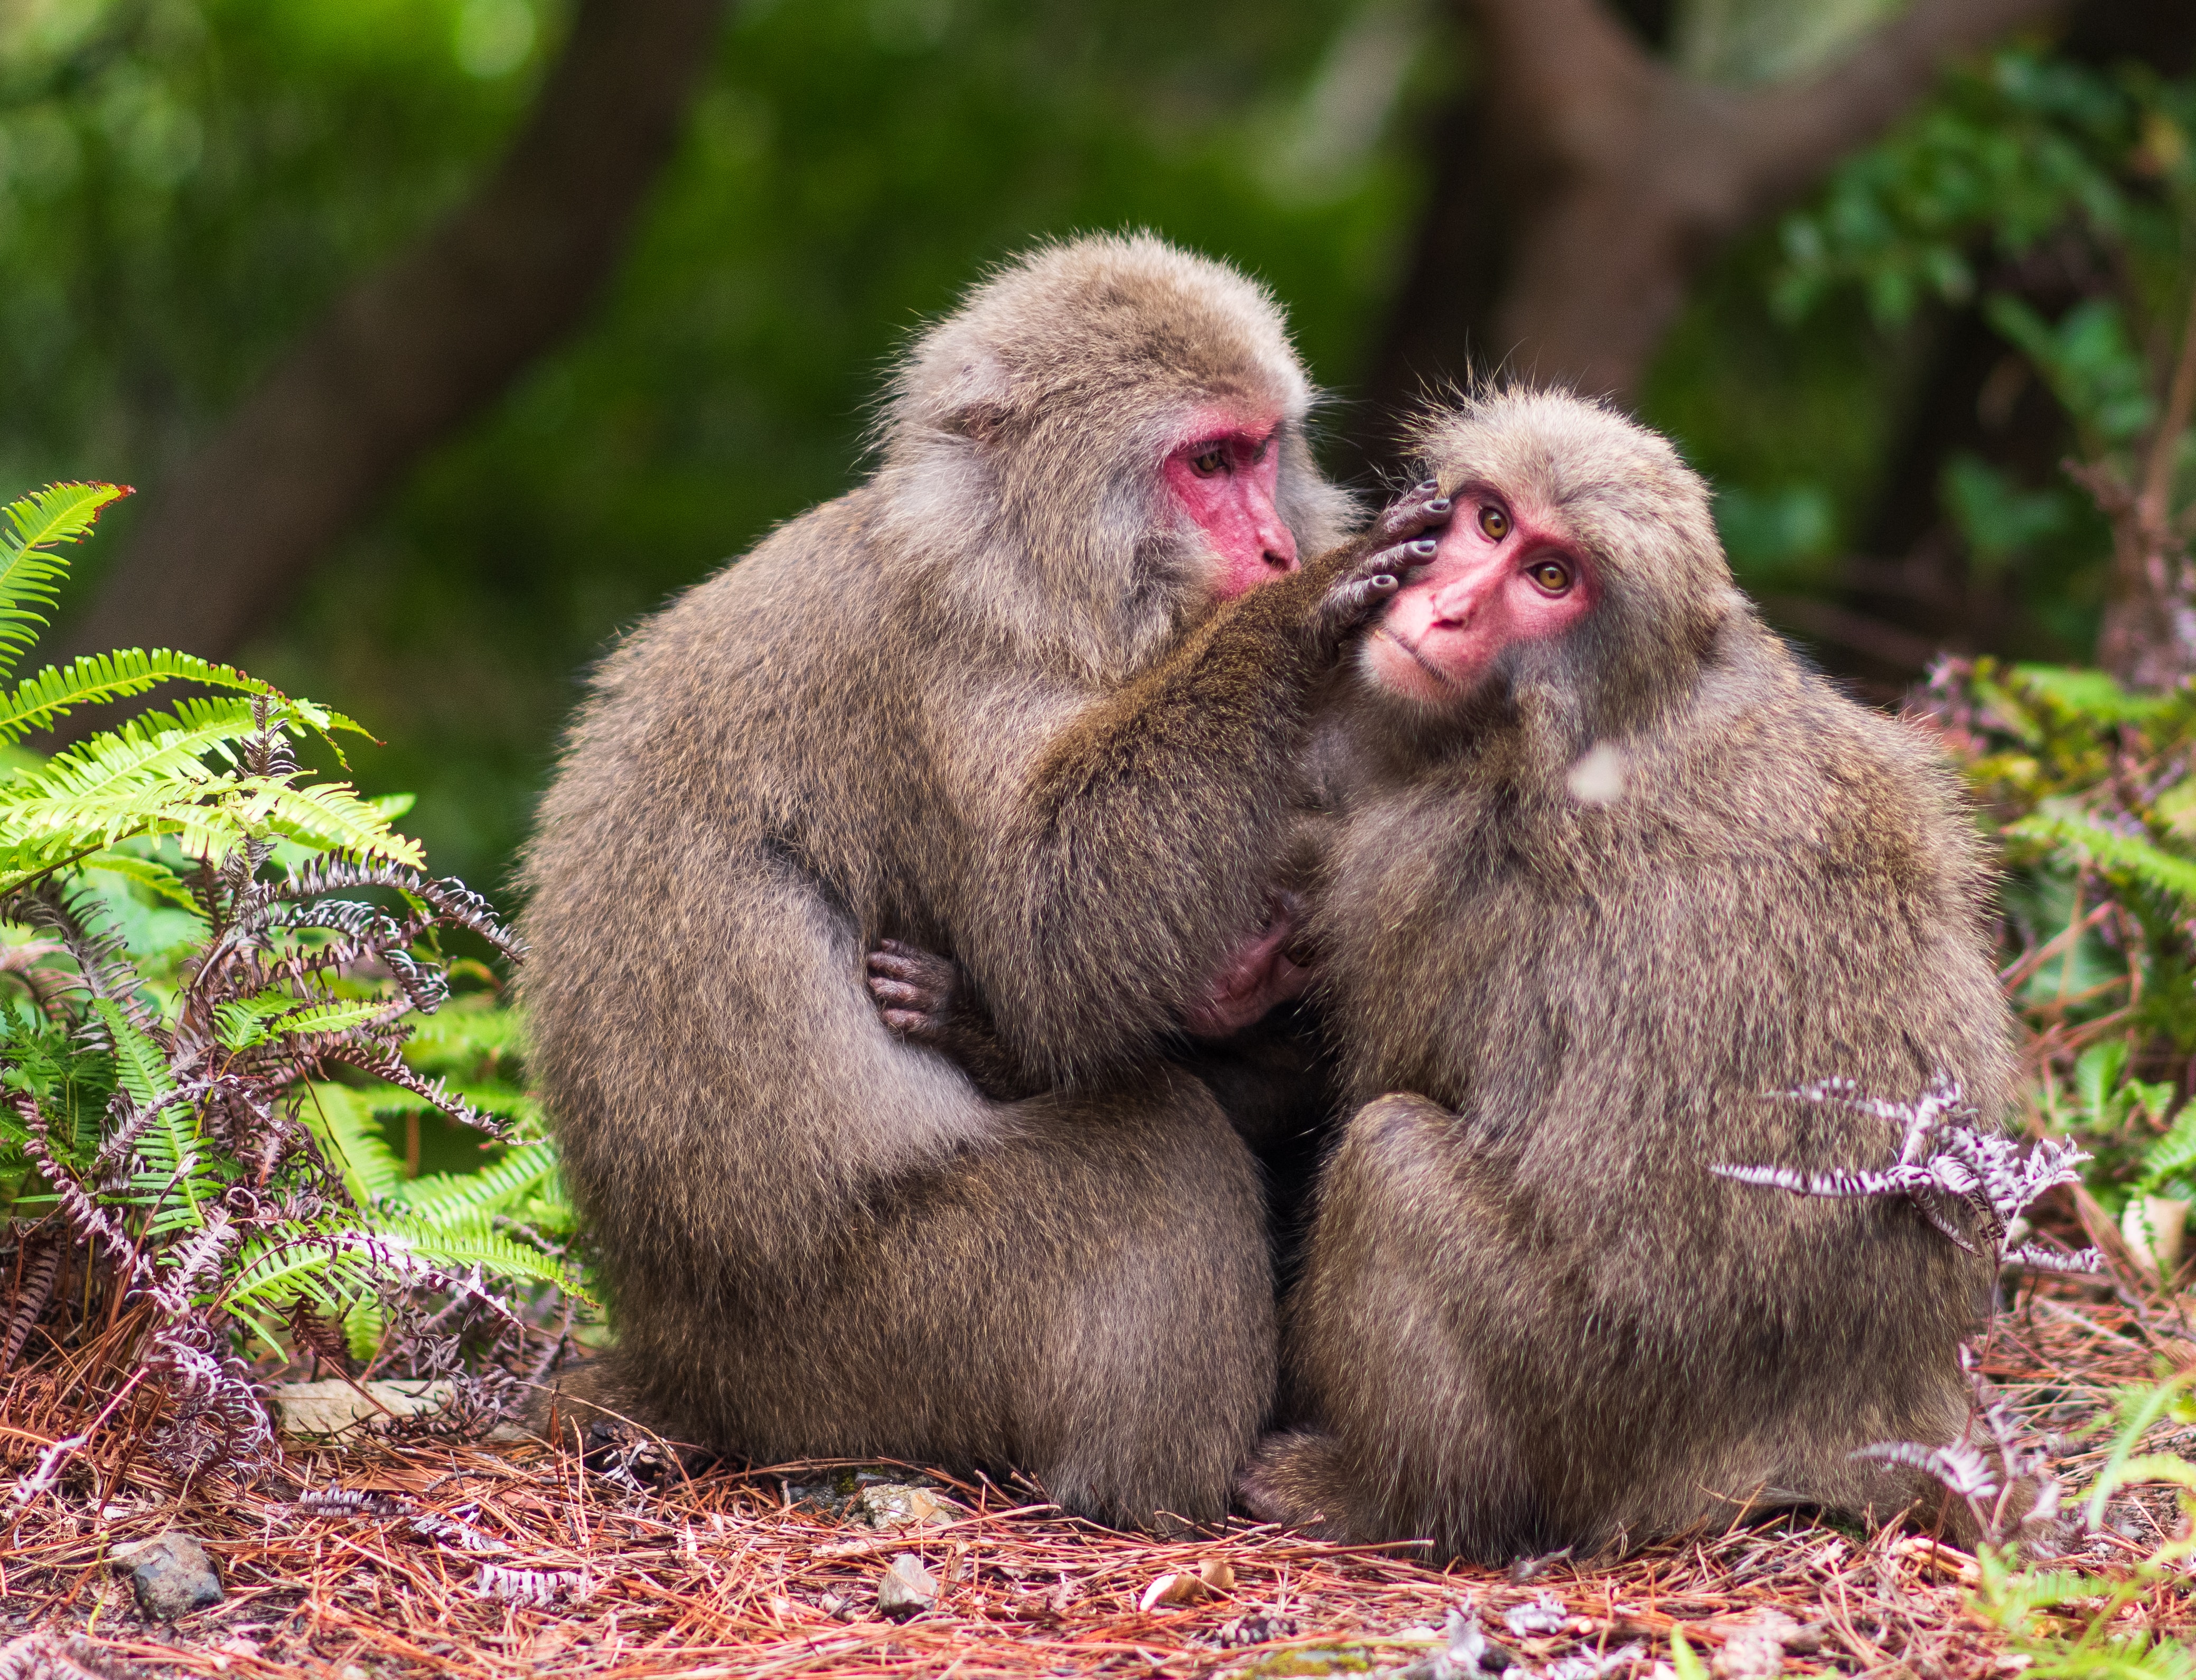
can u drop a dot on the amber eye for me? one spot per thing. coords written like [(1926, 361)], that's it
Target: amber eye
[(1553, 577), (1494, 521), (1210, 462)]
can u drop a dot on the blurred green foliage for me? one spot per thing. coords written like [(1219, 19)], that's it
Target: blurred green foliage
[(184, 184), (2028, 171), (188, 181)]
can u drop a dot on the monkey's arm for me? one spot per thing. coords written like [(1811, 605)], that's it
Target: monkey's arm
[(928, 1000), (1144, 840)]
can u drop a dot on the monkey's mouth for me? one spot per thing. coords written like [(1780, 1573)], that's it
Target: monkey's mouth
[(1418, 659)]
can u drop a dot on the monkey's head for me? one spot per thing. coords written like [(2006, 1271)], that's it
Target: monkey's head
[(1579, 584), (1106, 438)]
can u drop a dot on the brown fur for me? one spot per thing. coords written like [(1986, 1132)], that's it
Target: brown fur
[(1530, 1317), (984, 702)]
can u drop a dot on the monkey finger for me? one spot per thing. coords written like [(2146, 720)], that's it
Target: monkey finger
[(908, 1023), (916, 966), (1419, 509), (896, 991), (1351, 602)]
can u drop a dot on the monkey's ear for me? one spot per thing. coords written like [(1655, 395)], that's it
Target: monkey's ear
[(975, 400)]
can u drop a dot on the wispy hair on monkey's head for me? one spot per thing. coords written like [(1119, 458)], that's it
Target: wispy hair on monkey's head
[(1063, 335), (1049, 399), (1623, 494)]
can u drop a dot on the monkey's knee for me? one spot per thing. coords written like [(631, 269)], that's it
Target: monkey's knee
[(1298, 1479), (1392, 1139), (1161, 1360), (584, 1398)]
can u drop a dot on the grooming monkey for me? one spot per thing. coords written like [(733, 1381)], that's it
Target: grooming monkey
[(1614, 869), (1032, 694)]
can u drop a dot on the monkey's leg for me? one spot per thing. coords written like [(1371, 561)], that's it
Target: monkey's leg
[(1087, 1300), (1389, 1351)]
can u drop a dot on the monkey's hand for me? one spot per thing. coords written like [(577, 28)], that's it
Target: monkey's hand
[(926, 998), (1364, 574), (1257, 977), (916, 990)]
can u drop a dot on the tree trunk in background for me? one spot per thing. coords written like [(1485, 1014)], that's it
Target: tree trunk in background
[(417, 348), (1589, 183)]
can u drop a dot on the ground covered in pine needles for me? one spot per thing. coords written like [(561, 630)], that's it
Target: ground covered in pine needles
[(429, 1557)]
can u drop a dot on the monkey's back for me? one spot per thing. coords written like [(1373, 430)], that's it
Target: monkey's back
[(1608, 995)]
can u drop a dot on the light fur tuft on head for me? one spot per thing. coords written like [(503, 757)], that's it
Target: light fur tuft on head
[(1072, 328)]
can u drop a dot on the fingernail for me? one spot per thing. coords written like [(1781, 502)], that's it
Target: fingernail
[(1438, 505), (1384, 582), (1430, 484), (1425, 547)]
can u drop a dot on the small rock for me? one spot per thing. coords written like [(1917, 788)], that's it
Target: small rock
[(335, 1408), (1468, 1654), (890, 1504), (1543, 1615), (1259, 1628), (172, 1574), (1754, 1649), (907, 1590)]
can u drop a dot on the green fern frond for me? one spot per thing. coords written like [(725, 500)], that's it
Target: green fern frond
[(29, 574), (329, 816), (343, 1120), (148, 777), (461, 1245), (143, 1068), (2172, 1155), (96, 679), (441, 1198), (155, 877), (2113, 852)]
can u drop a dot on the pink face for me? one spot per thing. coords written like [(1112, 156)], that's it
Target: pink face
[(1224, 474), (1503, 573)]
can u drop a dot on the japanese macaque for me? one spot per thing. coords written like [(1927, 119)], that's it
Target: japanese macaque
[(1032, 694), (1614, 870)]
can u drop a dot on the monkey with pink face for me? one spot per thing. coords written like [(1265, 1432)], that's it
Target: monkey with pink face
[(1606, 869), (1614, 868), (1034, 694)]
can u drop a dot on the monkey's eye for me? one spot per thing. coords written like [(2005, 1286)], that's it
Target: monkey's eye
[(1552, 576), (1494, 521), (1211, 461)]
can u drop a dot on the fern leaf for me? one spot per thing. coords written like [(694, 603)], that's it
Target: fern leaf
[(444, 1198), (148, 777), (142, 1067), (335, 1017), (329, 816), (459, 1247), (2114, 852), (156, 877), (29, 574), (2172, 1155), (97, 679), (343, 1120), (2097, 1075)]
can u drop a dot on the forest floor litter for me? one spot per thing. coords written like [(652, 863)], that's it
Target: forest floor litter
[(421, 1556)]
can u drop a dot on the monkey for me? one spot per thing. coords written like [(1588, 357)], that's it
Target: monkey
[(1032, 693), (1612, 870)]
